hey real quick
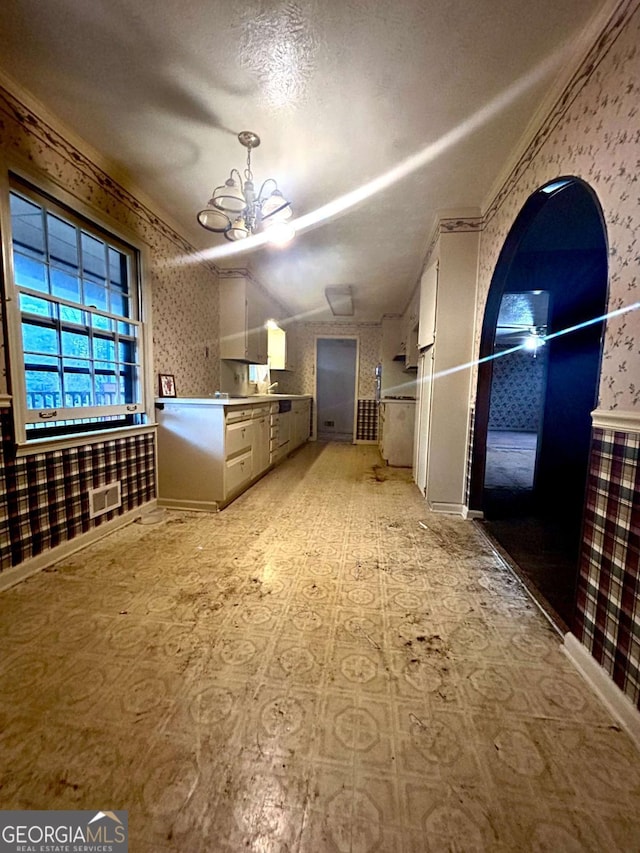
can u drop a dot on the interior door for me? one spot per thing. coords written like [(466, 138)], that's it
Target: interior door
[(336, 374)]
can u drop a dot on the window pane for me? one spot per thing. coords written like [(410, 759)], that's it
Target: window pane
[(126, 351), (73, 315), (119, 303), (27, 227), (33, 360), (102, 323), (105, 349), (76, 345), (63, 243), (30, 273), (128, 385), (77, 389), (39, 339), (106, 389), (94, 256), (33, 305), (65, 286), (95, 295), (118, 269), (43, 389)]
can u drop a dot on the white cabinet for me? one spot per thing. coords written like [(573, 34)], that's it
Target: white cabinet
[(428, 292), (300, 422), (443, 418), (397, 418), (261, 429), (277, 349), (209, 451), (243, 334), (410, 332)]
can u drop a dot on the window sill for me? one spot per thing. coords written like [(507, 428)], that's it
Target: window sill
[(63, 442), (5, 401)]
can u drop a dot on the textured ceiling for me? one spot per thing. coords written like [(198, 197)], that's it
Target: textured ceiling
[(341, 93)]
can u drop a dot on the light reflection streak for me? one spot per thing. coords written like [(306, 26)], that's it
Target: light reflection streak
[(411, 164), (615, 313)]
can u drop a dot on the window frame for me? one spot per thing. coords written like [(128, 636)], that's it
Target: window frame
[(62, 203)]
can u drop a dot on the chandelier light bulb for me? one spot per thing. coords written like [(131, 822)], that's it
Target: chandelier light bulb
[(281, 233)]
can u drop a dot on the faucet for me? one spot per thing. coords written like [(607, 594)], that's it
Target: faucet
[(271, 387)]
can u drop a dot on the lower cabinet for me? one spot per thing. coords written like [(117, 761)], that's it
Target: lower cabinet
[(209, 452), (300, 423), (237, 473), (261, 435)]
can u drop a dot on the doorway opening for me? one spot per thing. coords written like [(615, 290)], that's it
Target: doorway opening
[(536, 395), (336, 388), (516, 406)]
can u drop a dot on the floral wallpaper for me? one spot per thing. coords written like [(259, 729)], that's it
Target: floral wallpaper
[(517, 391), (184, 297), (592, 133), (369, 336)]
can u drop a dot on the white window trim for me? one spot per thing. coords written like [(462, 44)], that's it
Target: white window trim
[(12, 307)]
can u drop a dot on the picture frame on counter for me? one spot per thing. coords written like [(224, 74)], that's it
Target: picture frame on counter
[(167, 385)]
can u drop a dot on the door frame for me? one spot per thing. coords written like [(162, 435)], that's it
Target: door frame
[(528, 212), (356, 380)]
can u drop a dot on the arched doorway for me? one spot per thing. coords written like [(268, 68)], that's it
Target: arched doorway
[(550, 279)]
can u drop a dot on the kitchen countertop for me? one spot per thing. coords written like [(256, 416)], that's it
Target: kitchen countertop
[(232, 401)]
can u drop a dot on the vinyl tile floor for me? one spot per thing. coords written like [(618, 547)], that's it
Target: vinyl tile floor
[(322, 666)]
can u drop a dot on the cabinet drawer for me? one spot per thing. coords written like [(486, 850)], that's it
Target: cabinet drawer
[(237, 473), (237, 438), (234, 414)]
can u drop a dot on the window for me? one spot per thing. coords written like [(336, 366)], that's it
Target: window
[(78, 304)]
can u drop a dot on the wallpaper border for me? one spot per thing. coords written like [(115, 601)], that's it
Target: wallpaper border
[(27, 117), (587, 68)]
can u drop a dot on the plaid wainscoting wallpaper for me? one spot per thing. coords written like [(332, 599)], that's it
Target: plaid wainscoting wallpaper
[(44, 498), (608, 608)]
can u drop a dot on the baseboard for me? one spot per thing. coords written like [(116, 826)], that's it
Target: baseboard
[(600, 682), (365, 441), (472, 514), (10, 577), (188, 505), (451, 509)]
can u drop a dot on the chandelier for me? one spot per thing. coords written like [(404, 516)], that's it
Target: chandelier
[(236, 211)]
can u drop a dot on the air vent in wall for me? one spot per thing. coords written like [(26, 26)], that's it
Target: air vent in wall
[(104, 498)]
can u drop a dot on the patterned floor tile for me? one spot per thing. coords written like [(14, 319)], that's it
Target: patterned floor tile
[(322, 666)]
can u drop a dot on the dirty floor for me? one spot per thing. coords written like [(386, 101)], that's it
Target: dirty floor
[(323, 666)]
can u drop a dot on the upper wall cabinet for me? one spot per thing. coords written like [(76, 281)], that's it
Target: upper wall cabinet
[(428, 292), (410, 335), (278, 351), (243, 334)]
